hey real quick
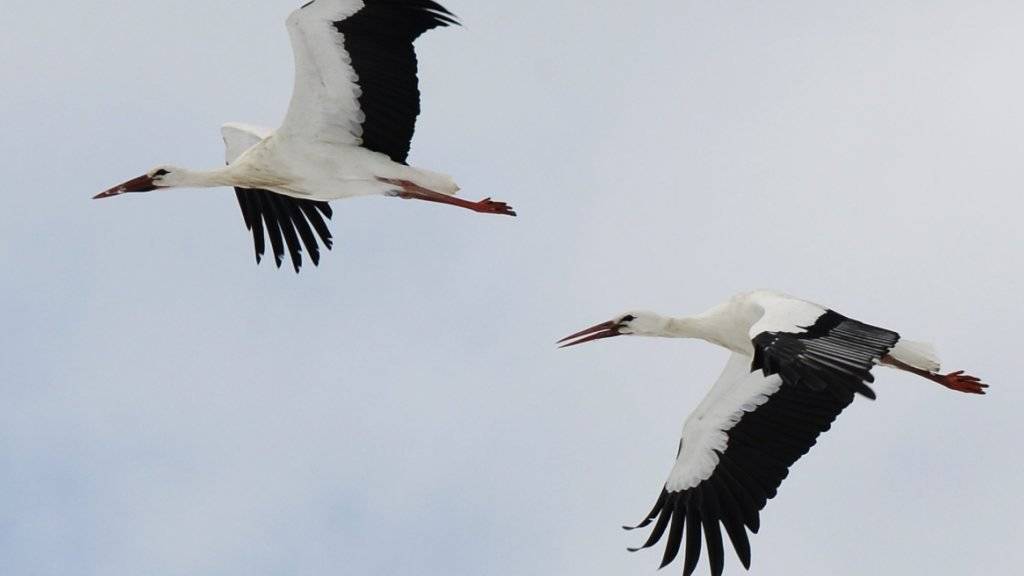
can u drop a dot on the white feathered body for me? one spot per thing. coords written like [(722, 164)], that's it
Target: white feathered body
[(327, 171)]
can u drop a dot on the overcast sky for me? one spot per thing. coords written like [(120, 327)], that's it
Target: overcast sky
[(170, 408)]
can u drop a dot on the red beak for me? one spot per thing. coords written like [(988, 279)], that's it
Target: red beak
[(602, 330), (143, 183)]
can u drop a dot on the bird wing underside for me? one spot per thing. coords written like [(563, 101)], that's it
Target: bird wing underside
[(288, 222), (356, 71), (761, 448)]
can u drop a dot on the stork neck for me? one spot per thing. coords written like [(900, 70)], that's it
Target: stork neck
[(718, 326), (692, 327), (205, 178)]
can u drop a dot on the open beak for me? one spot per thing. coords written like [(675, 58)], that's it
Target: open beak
[(143, 183), (602, 330)]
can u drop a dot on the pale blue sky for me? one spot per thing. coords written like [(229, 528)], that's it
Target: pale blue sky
[(172, 409)]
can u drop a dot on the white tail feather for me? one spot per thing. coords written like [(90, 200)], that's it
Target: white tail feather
[(436, 182), (920, 355)]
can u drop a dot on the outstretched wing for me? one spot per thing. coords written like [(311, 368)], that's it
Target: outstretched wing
[(289, 222), (731, 458), (835, 354), (355, 71), (760, 417)]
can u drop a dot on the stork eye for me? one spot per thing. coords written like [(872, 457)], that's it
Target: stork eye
[(160, 172), (628, 318)]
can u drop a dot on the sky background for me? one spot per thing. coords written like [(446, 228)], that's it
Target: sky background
[(170, 408)]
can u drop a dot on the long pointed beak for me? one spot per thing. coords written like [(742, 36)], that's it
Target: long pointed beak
[(602, 330), (143, 183)]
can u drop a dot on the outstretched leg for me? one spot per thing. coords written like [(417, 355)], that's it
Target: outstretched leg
[(411, 191), (954, 380)]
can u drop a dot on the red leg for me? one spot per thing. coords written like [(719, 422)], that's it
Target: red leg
[(954, 380), (412, 191), (960, 382)]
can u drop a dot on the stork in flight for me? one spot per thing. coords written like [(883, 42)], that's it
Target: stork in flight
[(347, 131), (794, 367)]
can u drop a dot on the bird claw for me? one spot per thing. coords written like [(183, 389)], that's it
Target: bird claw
[(488, 206), (963, 382)]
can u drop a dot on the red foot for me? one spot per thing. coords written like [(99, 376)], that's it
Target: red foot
[(488, 206), (962, 382)]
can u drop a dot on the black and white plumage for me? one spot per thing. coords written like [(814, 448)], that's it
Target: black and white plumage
[(347, 132), (794, 367)]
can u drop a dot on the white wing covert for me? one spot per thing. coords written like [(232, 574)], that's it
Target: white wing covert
[(325, 99), (737, 391)]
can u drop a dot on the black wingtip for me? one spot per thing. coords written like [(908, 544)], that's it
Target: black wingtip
[(693, 541), (441, 14), (643, 524), (292, 226), (866, 391)]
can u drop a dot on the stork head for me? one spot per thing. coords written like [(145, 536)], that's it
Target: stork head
[(628, 324), (159, 177)]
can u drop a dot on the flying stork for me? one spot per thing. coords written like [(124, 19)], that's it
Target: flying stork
[(347, 131), (794, 367)]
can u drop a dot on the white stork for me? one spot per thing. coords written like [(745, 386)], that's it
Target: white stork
[(347, 131), (794, 367)]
